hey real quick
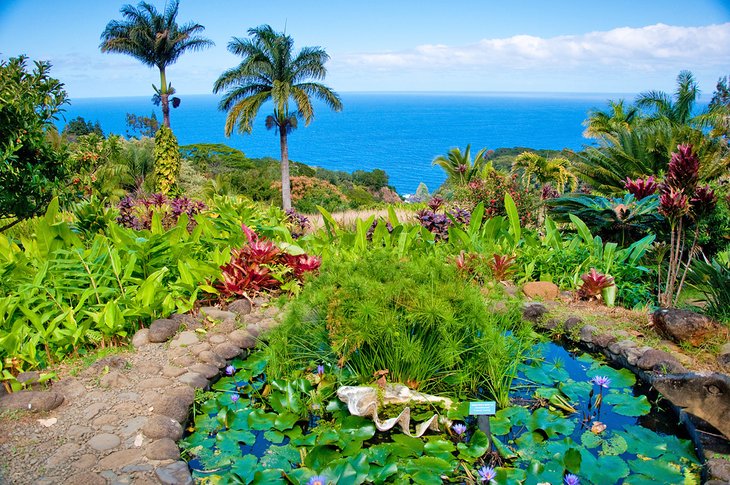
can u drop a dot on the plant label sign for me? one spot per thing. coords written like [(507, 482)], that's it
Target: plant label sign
[(482, 408)]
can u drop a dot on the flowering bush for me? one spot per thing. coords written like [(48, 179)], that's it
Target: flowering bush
[(491, 192), (136, 213), (309, 192)]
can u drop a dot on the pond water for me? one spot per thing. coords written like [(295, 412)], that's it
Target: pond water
[(576, 415)]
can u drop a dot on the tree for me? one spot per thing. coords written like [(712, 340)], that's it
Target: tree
[(459, 167), (156, 40), (271, 71), (618, 116), (31, 170), (676, 110), (79, 127), (554, 171), (144, 125)]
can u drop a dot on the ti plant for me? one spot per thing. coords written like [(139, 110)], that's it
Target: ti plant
[(683, 203), (593, 283), (501, 266)]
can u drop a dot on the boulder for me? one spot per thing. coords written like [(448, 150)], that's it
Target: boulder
[(214, 313), (240, 307), (242, 339), (571, 323), (660, 361), (176, 473), (541, 289), (159, 426), (533, 312), (141, 337), (162, 330), (194, 380), (718, 469), (227, 350), (684, 326), (31, 400), (723, 357), (175, 403), (705, 396), (163, 449)]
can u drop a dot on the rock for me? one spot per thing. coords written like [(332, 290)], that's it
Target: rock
[(658, 360), (175, 404), (31, 400), (587, 332), (77, 431), (194, 380), (213, 313), (121, 458), (104, 420), (104, 441), (571, 323), (185, 320), (201, 347), (684, 326), (533, 312), (212, 358), (603, 340), (163, 449), (184, 360), (705, 396), (633, 354), (723, 357), (172, 371), (253, 330), (132, 426), (162, 330), (136, 468), (242, 339), (85, 478), (619, 348), (28, 378), (62, 454), (217, 338), (154, 383), (184, 339), (141, 337), (541, 289), (549, 324), (159, 426), (718, 469), (148, 368), (69, 387), (267, 324), (85, 461), (174, 474), (254, 318), (227, 350), (206, 370), (240, 307), (226, 326), (114, 379)]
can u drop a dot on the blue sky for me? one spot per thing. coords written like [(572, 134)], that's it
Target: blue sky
[(615, 46)]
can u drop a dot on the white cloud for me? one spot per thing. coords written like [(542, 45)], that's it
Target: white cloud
[(647, 48)]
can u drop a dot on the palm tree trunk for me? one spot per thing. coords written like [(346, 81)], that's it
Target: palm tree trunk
[(285, 183), (164, 98)]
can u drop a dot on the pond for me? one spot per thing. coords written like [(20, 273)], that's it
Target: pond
[(573, 418)]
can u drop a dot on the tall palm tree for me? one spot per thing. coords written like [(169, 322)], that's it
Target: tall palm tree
[(459, 167), (616, 117), (156, 40), (677, 110), (272, 71), (546, 171)]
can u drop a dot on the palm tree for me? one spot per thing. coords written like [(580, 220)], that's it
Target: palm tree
[(546, 171), (271, 71), (616, 117), (459, 167), (156, 40), (677, 111)]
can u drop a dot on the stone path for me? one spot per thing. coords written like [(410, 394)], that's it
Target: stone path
[(118, 421)]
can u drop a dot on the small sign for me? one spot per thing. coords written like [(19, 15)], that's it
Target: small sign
[(482, 408)]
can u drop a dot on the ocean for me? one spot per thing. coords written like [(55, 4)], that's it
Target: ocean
[(400, 133)]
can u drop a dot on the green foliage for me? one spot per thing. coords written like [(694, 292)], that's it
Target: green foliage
[(145, 126), (167, 160), (80, 127), (459, 167), (31, 169), (555, 171), (412, 316), (712, 280)]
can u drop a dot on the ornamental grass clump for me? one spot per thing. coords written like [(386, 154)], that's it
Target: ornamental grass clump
[(413, 316)]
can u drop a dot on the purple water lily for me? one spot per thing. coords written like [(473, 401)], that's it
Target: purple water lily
[(487, 473), (235, 397), (459, 429), (571, 479), (320, 370), (601, 381), (317, 480), (230, 370)]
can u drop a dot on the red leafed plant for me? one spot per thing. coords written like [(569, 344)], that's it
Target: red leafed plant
[(501, 266), (259, 266), (641, 188), (593, 283)]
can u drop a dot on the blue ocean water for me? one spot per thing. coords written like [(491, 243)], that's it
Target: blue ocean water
[(400, 133)]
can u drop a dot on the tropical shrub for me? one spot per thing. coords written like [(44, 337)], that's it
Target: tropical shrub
[(412, 316), (31, 169), (308, 192), (491, 190), (139, 213), (167, 160), (593, 283)]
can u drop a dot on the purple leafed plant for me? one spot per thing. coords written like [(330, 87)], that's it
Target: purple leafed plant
[(640, 187), (137, 213), (297, 223), (593, 283)]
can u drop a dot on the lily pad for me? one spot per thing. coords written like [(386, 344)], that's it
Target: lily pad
[(659, 470), (628, 405)]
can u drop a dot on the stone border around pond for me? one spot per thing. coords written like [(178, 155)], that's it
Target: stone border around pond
[(704, 395), (196, 349)]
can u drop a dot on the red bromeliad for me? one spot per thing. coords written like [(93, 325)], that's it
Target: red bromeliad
[(593, 283)]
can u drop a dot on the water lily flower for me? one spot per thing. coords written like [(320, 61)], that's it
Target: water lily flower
[(571, 479), (230, 370), (601, 381), (320, 370), (235, 397), (317, 480), (487, 473), (459, 429)]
